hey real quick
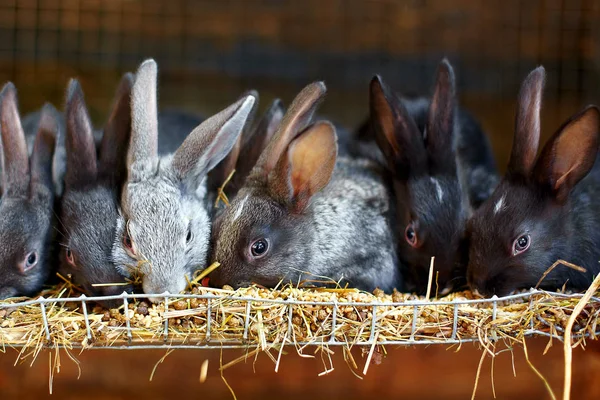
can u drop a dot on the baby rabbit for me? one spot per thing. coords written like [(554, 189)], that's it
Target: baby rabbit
[(301, 214), (543, 210), (164, 227), (26, 207), (438, 157), (89, 206)]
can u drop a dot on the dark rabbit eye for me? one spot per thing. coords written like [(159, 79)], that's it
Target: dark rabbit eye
[(259, 248), (127, 242), (411, 235), (521, 244), (189, 236), (70, 258), (30, 261)]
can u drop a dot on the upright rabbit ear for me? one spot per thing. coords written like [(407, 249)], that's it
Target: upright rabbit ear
[(570, 154), (219, 174), (305, 168), (80, 145), (117, 132), (396, 133), (256, 140), (440, 123), (294, 121), (43, 151), (142, 155), (527, 125), (16, 160), (210, 142)]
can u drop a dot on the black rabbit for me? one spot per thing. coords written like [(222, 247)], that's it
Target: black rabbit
[(543, 210)]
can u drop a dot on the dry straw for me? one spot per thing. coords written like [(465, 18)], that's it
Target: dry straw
[(266, 320)]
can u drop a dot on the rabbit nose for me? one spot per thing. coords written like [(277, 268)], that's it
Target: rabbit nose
[(172, 289)]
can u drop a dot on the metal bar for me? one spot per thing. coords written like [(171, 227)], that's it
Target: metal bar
[(455, 321), (127, 324), (246, 321), (208, 319), (333, 322), (45, 319), (373, 323), (85, 317), (166, 331), (413, 330), (298, 302)]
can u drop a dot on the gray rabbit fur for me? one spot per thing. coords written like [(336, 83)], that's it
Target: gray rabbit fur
[(26, 207), (164, 225), (302, 213), (95, 173)]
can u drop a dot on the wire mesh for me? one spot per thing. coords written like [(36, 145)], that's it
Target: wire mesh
[(492, 43), (371, 336)]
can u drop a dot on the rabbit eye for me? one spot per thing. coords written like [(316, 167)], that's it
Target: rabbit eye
[(259, 247), (189, 236), (410, 235), (31, 261), (127, 242), (521, 244), (70, 258)]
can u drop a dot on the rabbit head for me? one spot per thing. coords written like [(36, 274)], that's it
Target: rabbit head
[(26, 207), (432, 205), (528, 222), (89, 207), (164, 227), (265, 234)]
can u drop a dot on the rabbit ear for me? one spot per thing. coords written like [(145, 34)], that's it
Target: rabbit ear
[(43, 150), (570, 154), (396, 133), (439, 135), (117, 132), (210, 142), (527, 125), (294, 121), (142, 155), (256, 140), (306, 167), (218, 175), (16, 160), (80, 145)]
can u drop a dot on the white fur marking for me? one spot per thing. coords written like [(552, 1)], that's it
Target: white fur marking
[(240, 208), (438, 189), (499, 205)]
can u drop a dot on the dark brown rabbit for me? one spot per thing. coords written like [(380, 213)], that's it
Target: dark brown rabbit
[(544, 209), (438, 157)]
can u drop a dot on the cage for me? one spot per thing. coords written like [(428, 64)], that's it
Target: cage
[(210, 51)]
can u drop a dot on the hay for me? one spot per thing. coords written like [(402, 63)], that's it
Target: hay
[(265, 320)]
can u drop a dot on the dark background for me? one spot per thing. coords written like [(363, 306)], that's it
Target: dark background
[(209, 51)]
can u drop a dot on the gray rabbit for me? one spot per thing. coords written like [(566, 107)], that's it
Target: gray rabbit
[(302, 213), (26, 207), (164, 226), (88, 209), (95, 173)]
